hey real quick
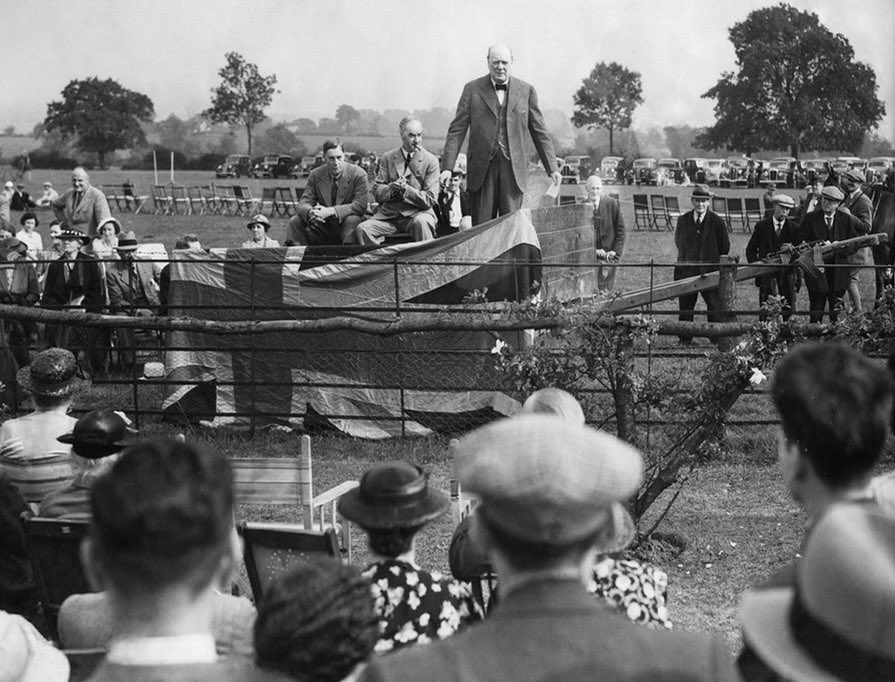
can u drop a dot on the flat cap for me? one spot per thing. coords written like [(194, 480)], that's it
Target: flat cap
[(544, 480), (832, 192), (855, 176), (783, 200)]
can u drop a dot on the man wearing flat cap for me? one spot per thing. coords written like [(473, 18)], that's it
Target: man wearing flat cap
[(825, 226), (546, 488), (774, 233), (861, 207), (700, 237)]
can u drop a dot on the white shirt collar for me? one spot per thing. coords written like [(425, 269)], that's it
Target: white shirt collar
[(179, 650)]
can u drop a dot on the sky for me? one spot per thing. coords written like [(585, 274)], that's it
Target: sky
[(400, 54)]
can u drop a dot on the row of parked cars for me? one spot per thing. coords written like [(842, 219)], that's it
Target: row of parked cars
[(272, 166)]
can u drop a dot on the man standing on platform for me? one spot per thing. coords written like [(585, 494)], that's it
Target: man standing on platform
[(772, 234), (406, 188), (497, 111), (83, 207), (609, 231), (333, 203), (701, 237)]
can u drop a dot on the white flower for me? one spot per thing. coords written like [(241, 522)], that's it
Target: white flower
[(757, 376), (499, 345)]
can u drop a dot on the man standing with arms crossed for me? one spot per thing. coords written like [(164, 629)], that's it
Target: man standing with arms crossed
[(497, 110)]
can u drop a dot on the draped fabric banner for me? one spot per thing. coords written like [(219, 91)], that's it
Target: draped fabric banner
[(364, 385)]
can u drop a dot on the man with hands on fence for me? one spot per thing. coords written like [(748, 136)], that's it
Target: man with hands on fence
[(609, 231)]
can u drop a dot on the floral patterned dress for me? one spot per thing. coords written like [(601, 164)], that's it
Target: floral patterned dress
[(638, 590), (416, 606)]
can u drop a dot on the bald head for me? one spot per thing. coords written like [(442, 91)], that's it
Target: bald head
[(79, 179), (500, 59)]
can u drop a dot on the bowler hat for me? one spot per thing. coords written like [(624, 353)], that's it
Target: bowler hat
[(855, 176), (127, 242), (544, 480), (832, 192), (393, 495), (783, 200), (259, 220), (98, 434), (701, 192), (53, 373), (838, 621), (115, 223), (70, 233), (29, 215)]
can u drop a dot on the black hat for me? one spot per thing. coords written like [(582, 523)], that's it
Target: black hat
[(70, 233), (98, 434), (701, 192), (393, 495)]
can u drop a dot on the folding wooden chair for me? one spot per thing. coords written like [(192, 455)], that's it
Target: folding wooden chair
[(54, 551), (212, 203), (114, 196), (290, 481), (642, 218), (286, 203), (719, 206), (133, 201), (180, 200), (752, 211), (226, 197), (736, 213), (268, 200), (672, 212), (660, 216), (197, 201), (244, 199), (273, 550), (162, 200)]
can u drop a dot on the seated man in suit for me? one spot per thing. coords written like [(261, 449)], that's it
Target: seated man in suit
[(406, 188), (333, 203), (540, 533), (609, 231), (453, 206), (133, 290), (160, 544), (772, 234)]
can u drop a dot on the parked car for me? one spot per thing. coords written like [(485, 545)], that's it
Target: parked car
[(815, 170), (575, 169), (609, 168), (697, 169), (853, 162), (716, 171), (645, 171), (781, 171), (672, 170), (737, 172), (234, 166), (274, 166), (877, 168)]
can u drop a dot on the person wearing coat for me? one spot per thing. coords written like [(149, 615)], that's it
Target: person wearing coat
[(770, 235), (453, 206), (829, 225), (82, 207), (18, 286), (609, 231), (700, 237)]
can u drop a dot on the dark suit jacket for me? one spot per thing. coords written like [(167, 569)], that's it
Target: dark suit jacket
[(692, 246), (91, 210), (764, 240), (814, 228), (477, 112), (555, 630), (609, 226), (85, 280), (24, 289), (861, 208), (421, 193), (352, 193), (121, 290), (444, 210)]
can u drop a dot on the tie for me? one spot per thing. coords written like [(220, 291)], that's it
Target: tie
[(778, 227), (829, 220), (407, 172), (76, 199), (500, 86), (333, 193)]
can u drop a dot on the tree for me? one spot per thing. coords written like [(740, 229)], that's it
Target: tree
[(305, 125), (798, 87), (279, 139), (9, 131), (348, 118), (242, 96), (175, 134), (607, 98), (101, 114)]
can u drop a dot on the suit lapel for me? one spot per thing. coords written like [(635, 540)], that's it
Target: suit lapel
[(486, 92), (514, 94)]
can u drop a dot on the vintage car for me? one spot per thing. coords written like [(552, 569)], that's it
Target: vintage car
[(609, 168), (737, 172), (816, 170), (877, 168), (575, 169), (274, 166), (716, 171), (781, 171), (671, 169), (234, 166), (696, 169), (646, 171), (306, 165)]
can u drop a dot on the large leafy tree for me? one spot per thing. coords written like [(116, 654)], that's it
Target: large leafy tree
[(798, 86), (242, 96), (100, 115), (348, 118), (607, 98)]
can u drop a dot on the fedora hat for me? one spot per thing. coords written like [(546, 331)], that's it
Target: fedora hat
[(783, 200), (838, 621), (259, 219), (70, 233), (393, 495), (53, 373), (115, 223), (832, 192), (98, 434), (701, 192), (544, 480), (29, 215), (127, 242)]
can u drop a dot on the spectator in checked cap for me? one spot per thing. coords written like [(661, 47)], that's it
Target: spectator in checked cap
[(774, 233), (259, 226), (546, 487)]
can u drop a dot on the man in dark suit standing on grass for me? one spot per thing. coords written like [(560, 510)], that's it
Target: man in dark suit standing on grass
[(609, 231), (700, 237), (771, 235), (497, 110)]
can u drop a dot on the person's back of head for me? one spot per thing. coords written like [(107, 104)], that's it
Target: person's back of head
[(317, 623), (162, 518), (554, 401), (835, 406)]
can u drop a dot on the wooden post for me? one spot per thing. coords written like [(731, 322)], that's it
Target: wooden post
[(624, 386), (727, 292)]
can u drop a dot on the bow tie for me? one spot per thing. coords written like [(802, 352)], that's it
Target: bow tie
[(500, 86)]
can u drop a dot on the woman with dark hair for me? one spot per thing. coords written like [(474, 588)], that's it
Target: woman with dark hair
[(392, 503), (317, 623)]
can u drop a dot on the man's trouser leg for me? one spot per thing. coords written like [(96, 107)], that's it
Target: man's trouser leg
[(498, 194), (817, 301), (421, 227), (374, 230)]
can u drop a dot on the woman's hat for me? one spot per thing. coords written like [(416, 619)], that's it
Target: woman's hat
[(70, 233), (53, 373), (127, 242), (393, 495), (48, 184), (108, 220), (29, 215), (98, 434), (259, 220)]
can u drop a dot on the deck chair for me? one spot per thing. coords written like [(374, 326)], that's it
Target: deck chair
[(286, 203), (642, 218), (54, 551), (753, 212), (247, 203), (162, 201), (736, 213), (660, 216), (272, 550), (267, 201), (719, 206), (180, 200), (290, 481), (132, 201), (672, 212), (113, 196), (212, 203), (196, 199), (226, 198)]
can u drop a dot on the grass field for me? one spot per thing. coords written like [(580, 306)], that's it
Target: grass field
[(734, 516)]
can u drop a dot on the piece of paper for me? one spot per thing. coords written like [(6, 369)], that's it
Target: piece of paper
[(553, 191)]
